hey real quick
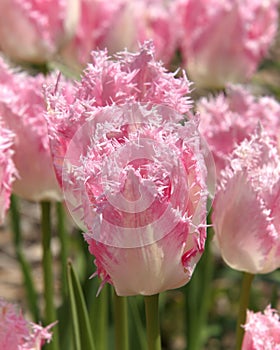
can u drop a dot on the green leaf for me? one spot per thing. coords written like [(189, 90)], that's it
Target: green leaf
[(82, 333)]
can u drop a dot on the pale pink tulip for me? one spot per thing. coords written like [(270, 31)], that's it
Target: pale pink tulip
[(262, 330), (224, 41), (22, 108), (246, 216), (34, 30), (136, 179), (156, 20), (133, 176), (16, 333), (122, 24), (7, 170), (98, 20), (227, 119)]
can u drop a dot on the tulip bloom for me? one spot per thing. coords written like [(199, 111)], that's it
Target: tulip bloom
[(246, 216), (227, 119), (224, 41), (22, 108), (136, 179), (133, 176), (7, 170), (122, 24), (262, 330), (16, 333), (33, 31)]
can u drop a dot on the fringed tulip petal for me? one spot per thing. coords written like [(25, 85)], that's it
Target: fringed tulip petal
[(16, 333), (227, 119), (262, 330)]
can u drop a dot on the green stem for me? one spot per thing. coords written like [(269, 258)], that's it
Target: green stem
[(63, 237), (152, 322), (50, 311), (121, 322), (207, 262), (198, 298), (99, 317), (25, 266), (243, 305), (192, 297)]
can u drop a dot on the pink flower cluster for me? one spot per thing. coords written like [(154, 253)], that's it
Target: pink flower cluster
[(125, 146), (16, 333), (218, 41), (262, 330)]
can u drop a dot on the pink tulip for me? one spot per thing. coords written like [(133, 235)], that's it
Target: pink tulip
[(122, 24), (133, 176), (16, 333), (224, 41), (135, 179), (262, 330), (156, 20), (98, 20), (34, 30), (246, 216), (227, 119), (22, 108), (7, 170)]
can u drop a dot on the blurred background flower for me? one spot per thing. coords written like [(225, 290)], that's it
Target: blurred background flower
[(225, 41), (22, 108), (33, 31), (122, 24)]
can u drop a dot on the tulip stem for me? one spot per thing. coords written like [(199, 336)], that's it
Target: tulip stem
[(50, 312), (198, 294), (121, 323), (63, 237), (100, 324), (152, 322), (243, 305), (32, 298)]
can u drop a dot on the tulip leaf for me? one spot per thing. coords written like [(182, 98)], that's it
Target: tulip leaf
[(81, 326)]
